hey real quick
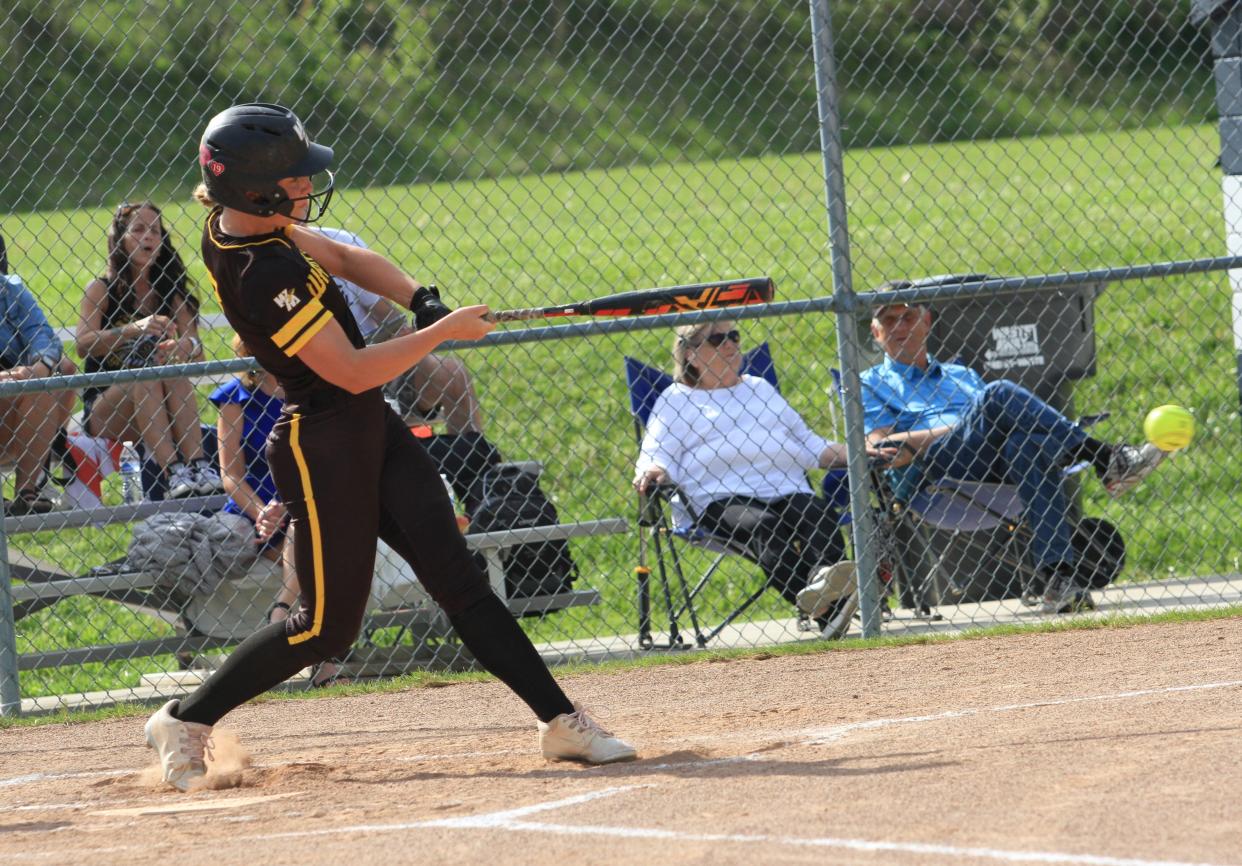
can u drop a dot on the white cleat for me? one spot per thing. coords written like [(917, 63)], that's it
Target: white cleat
[(182, 746), (578, 737)]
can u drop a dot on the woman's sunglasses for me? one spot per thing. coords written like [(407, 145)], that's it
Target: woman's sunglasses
[(717, 339)]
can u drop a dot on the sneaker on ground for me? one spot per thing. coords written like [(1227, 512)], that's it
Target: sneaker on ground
[(181, 481), (183, 747), (578, 737), (207, 478), (827, 585), (1129, 465), (1063, 595)]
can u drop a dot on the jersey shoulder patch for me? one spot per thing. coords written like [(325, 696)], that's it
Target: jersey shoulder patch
[(286, 299)]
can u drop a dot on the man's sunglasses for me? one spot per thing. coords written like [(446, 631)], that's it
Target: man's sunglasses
[(717, 339)]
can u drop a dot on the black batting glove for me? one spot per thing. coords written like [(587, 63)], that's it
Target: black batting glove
[(427, 307)]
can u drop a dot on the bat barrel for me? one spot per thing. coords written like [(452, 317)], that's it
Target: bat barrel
[(676, 299)]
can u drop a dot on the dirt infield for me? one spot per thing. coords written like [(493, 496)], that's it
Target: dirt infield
[(1093, 747)]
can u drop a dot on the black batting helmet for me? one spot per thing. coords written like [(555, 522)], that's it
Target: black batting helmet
[(246, 149)]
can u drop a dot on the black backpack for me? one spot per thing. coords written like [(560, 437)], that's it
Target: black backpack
[(511, 499)]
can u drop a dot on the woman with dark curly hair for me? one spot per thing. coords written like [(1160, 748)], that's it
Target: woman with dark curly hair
[(141, 312)]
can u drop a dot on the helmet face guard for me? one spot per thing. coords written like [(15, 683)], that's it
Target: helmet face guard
[(247, 149), (318, 200), (267, 199)]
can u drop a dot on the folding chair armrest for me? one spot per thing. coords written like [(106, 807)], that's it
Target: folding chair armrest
[(651, 503)]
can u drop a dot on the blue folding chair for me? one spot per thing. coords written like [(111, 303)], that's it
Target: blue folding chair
[(645, 384)]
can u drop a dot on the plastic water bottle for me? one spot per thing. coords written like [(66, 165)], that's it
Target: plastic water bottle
[(131, 474), (463, 522)]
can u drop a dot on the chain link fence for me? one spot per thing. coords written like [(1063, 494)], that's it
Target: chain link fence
[(527, 154)]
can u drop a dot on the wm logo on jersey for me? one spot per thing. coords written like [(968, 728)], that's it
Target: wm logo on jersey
[(287, 300)]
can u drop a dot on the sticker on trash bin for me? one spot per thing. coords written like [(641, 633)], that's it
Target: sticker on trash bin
[(1014, 346)]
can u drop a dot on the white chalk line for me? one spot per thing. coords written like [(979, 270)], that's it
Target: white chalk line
[(836, 733), (31, 778), (510, 819), (471, 821), (951, 851)]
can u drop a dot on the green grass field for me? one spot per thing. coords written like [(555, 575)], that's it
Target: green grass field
[(1007, 207)]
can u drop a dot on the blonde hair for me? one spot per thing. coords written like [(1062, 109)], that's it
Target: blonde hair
[(204, 198), (685, 338)]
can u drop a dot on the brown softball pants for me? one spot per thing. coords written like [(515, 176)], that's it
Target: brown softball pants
[(349, 471)]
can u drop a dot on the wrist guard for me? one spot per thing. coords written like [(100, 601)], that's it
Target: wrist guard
[(427, 307)]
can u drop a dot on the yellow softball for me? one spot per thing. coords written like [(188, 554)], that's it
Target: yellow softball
[(1169, 427)]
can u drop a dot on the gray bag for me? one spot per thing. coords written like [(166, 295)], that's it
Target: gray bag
[(193, 552)]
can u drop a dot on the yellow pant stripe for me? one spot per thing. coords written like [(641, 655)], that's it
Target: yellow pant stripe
[(312, 518)]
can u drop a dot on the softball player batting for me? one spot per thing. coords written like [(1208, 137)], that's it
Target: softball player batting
[(346, 467)]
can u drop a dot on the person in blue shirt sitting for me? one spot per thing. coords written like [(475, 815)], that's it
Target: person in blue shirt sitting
[(948, 423), (29, 423)]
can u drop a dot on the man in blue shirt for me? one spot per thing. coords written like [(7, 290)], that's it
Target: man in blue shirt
[(29, 423), (950, 424)]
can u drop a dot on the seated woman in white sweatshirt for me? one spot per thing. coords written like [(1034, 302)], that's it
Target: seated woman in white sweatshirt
[(740, 454)]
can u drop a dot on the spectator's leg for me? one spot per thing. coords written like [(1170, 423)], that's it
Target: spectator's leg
[(1032, 463), (10, 418), (976, 449), (182, 409), (34, 424), (1008, 408), (970, 451), (444, 381), (767, 535), (135, 412), (282, 607), (817, 528)]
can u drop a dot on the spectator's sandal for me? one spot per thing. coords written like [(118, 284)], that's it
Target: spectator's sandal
[(29, 501), (328, 673)]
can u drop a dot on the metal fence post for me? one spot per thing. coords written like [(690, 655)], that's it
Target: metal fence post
[(846, 304), (10, 688)]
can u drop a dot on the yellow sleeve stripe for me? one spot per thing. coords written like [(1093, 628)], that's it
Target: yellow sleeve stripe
[(315, 328), (303, 317)]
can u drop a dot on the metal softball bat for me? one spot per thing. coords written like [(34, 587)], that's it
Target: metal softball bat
[(650, 302)]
